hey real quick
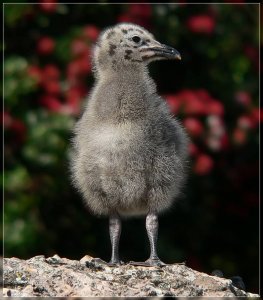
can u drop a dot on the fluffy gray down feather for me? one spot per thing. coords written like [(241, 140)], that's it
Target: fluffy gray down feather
[(129, 155)]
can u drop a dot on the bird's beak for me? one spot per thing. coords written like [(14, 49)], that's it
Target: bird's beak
[(161, 51)]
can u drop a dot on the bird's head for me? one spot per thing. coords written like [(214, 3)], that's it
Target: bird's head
[(126, 45)]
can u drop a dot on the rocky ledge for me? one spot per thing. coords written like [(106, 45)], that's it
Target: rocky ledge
[(89, 277)]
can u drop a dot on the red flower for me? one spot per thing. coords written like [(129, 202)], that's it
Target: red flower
[(191, 102), (245, 122), (193, 149), (73, 70), (203, 164), (239, 136), (224, 142), (193, 106), (51, 103), (48, 6), (51, 71), (125, 18), (91, 32), (6, 119), (79, 47), (74, 98), (256, 115), (79, 67), (201, 24), (243, 98), (193, 126), (141, 10), (35, 72), (52, 87), (19, 128), (173, 102), (252, 53), (203, 95), (45, 46), (75, 95), (215, 108), (138, 13)]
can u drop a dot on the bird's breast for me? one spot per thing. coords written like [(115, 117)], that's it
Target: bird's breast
[(116, 136)]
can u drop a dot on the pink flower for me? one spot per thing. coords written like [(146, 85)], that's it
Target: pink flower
[(214, 143), (45, 45), (201, 24), (214, 121), (203, 164)]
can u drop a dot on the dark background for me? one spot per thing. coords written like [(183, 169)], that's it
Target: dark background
[(213, 90)]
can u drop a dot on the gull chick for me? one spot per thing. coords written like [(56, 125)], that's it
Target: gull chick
[(129, 154)]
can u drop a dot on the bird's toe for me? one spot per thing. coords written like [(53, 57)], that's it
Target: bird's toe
[(116, 263), (148, 263)]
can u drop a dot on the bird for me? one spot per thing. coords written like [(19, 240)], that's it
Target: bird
[(129, 153)]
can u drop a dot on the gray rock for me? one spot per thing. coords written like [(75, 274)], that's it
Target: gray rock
[(89, 277)]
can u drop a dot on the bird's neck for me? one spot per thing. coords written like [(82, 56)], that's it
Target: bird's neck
[(129, 79), (124, 95), (123, 72)]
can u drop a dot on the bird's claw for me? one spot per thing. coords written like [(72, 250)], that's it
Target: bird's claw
[(148, 263), (115, 263)]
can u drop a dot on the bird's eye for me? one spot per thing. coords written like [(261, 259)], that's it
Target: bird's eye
[(136, 39)]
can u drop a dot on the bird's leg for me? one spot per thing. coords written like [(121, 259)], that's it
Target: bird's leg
[(152, 225), (152, 231), (115, 232)]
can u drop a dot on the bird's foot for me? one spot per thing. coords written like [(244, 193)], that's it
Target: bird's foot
[(115, 263), (180, 263), (151, 262)]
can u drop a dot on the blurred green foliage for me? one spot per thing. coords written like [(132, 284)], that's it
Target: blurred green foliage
[(48, 75)]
